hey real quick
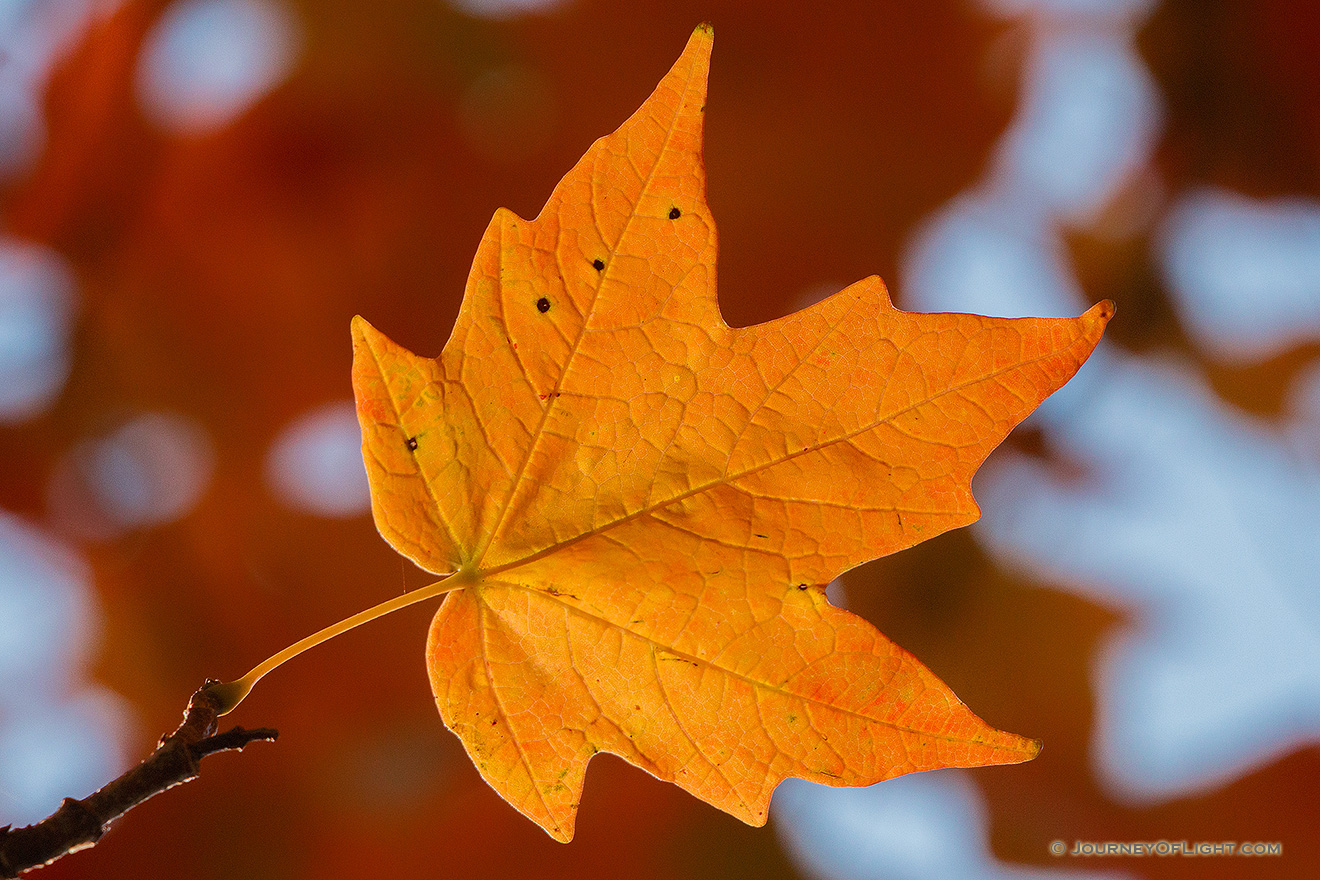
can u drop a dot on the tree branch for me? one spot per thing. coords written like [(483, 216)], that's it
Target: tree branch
[(78, 824)]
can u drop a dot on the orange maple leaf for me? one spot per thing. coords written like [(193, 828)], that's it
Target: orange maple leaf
[(638, 505)]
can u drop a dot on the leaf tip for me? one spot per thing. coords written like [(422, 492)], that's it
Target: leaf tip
[(560, 828), (1009, 748), (365, 336), (360, 327), (703, 35)]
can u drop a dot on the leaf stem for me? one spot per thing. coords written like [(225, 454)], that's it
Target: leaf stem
[(229, 694)]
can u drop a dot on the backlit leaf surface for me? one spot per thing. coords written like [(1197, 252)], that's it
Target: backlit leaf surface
[(644, 504)]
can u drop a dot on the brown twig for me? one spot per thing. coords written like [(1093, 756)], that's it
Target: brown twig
[(78, 824)]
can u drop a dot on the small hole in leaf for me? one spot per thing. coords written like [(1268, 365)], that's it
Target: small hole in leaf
[(598, 265), (674, 213), (543, 305), (412, 442)]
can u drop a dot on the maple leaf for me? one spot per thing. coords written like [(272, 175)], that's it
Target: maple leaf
[(641, 504)]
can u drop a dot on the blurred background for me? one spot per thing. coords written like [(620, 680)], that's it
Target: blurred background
[(197, 195)]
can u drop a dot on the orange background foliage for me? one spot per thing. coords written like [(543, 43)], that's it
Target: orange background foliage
[(218, 276)]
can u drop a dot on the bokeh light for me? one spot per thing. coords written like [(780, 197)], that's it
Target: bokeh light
[(1245, 273), (1089, 119), (36, 313), (915, 827), (58, 737), (1219, 670), (48, 612), (206, 61), (1304, 413), (149, 471), (500, 9), (315, 464), (34, 35)]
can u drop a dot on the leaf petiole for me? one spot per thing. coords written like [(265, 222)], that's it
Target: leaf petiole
[(227, 695)]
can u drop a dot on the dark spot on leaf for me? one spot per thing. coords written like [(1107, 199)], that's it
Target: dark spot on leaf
[(802, 586), (759, 535), (543, 305), (598, 265), (412, 442), (674, 213)]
